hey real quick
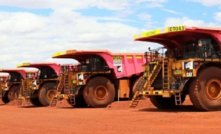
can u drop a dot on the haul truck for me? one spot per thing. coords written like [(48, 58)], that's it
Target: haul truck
[(41, 90), (13, 82), (187, 63), (3, 84), (100, 77)]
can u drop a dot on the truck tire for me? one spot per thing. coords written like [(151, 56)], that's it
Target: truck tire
[(46, 93), (34, 99), (13, 92), (165, 103), (137, 82), (99, 92), (205, 90), (5, 98)]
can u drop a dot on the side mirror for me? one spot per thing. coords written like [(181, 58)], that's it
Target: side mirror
[(149, 48)]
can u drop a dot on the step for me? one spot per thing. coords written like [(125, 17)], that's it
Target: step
[(72, 100), (54, 102)]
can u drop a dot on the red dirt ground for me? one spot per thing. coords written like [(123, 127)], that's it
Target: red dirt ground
[(119, 119)]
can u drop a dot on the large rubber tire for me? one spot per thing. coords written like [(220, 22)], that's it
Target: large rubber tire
[(5, 98), (13, 93), (165, 103), (137, 82), (42, 95), (197, 90), (95, 83), (34, 99)]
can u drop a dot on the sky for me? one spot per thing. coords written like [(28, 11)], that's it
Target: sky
[(31, 31)]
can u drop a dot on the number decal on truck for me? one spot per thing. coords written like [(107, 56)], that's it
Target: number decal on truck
[(151, 33), (117, 61), (176, 28), (70, 51)]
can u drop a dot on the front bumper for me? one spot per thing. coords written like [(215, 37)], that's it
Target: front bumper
[(163, 93)]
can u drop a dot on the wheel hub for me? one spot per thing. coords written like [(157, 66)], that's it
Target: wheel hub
[(101, 92), (213, 89), (50, 94)]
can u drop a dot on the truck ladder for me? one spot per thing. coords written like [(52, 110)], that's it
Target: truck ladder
[(25, 93), (54, 102), (177, 97), (154, 73), (66, 84), (137, 97), (59, 89), (63, 85), (135, 100), (166, 85), (1, 94), (72, 100)]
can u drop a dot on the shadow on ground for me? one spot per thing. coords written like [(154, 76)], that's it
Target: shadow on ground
[(186, 108), (72, 107)]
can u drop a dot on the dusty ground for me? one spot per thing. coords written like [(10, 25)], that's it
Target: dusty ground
[(118, 119)]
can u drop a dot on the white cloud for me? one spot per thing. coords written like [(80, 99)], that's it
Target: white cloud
[(112, 19), (76, 4), (218, 16), (20, 22), (207, 2), (171, 11), (204, 14), (26, 37), (68, 4), (5, 57), (188, 22)]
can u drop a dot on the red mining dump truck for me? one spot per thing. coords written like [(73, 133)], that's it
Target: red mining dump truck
[(191, 65), (100, 77), (41, 90), (13, 82)]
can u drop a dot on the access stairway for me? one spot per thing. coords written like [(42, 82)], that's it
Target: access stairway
[(166, 81), (63, 85), (145, 83), (25, 94)]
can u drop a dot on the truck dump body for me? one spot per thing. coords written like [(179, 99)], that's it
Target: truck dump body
[(123, 64), (175, 36), (20, 71), (54, 66)]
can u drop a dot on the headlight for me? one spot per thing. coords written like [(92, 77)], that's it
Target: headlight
[(34, 83), (80, 76), (188, 65)]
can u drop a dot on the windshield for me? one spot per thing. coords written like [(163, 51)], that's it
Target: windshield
[(14, 77), (198, 48), (66, 68), (202, 48), (92, 64), (46, 73), (30, 75)]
